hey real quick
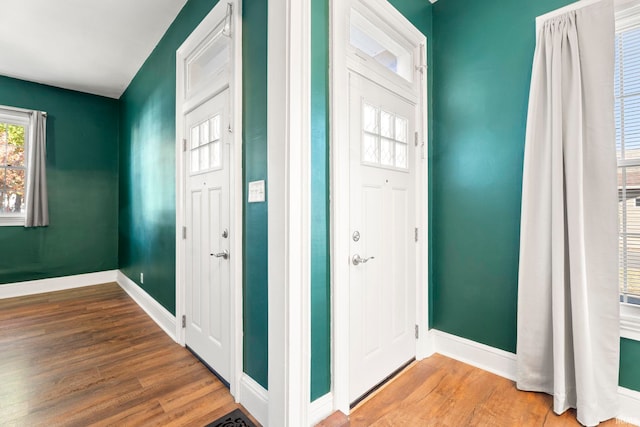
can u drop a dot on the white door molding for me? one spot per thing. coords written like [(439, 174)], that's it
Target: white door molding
[(288, 185), (228, 13), (342, 59)]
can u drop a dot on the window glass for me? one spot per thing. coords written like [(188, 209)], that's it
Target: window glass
[(12, 168), (627, 123), (374, 42), (384, 138)]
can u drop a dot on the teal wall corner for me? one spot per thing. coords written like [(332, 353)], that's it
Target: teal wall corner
[(82, 182), (255, 256), (320, 247), (147, 173), (483, 55)]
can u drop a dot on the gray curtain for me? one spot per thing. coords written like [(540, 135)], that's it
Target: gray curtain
[(37, 205), (568, 306)]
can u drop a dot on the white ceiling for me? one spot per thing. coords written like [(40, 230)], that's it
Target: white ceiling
[(93, 46)]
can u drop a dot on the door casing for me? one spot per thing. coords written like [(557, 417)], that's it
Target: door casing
[(342, 59), (230, 12)]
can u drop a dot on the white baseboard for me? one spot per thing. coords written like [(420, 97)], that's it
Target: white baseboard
[(32, 287), (503, 363), (320, 409), (255, 398), (482, 356), (629, 405), (157, 312)]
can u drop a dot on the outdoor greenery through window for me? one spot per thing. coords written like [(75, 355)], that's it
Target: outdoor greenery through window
[(627, 116), (13, 169)]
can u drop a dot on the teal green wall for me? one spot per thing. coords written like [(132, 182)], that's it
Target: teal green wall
[(629, 366), (82, 175), (254, 63), (147, 173), (320, 267), (483, 56)]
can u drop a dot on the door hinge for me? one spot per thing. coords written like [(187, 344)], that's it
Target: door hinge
[(415, 138), (416, 234), (417, 332), (184, 144), (184, 320), (184, 232)]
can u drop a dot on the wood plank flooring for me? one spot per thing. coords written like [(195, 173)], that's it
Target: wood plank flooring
[(440, 391), (91, 356)]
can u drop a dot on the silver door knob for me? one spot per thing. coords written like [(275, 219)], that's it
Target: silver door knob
[(224, 254), (356, 260)]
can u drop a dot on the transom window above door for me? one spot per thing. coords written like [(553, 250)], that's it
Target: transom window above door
[(374, 42), (206, 145), (384, 138)]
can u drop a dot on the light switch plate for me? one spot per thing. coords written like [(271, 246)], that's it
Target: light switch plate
[(256, 191)]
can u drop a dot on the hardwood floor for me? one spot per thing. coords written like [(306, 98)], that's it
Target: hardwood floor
[(91, 356), (440, 391)]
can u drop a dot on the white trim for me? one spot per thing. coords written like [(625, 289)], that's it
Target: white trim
[(288, 182), (153, 308), (503, 363), (53, 284), (13, 220), (320, 409), (183, 106), (630, 321), (254, 398), (341, 60), (481, 356), (629, 405)]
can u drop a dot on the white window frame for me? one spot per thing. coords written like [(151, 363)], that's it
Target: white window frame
[(15, 116), (627, 17)]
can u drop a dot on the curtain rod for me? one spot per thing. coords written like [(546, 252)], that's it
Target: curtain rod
[(573, 6), (20, 110)]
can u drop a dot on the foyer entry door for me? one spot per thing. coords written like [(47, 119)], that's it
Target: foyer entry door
[(382, 280), (208, 295)]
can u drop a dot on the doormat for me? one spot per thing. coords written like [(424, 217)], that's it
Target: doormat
[(235, 418)]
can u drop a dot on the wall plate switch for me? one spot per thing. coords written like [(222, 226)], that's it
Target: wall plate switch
[(141, 277), (256, 191)]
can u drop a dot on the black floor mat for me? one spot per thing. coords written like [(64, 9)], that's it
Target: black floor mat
[(235, 418)]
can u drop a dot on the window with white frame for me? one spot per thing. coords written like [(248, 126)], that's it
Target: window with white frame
[(627, 117), (14, 143)]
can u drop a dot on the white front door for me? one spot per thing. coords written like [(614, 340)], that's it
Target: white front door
[(208, 297), (382, 224)]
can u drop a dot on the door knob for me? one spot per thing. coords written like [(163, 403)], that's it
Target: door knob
[(224, 254), (356, 260)]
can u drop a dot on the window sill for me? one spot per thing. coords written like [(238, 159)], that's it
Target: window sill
[(630, 321), (12, 221)]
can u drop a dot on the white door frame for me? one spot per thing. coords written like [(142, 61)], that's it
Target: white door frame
[(341, 61), (288, 188), (185, 103)]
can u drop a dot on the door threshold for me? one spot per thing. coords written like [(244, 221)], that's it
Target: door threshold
[(381, 385), (213, 371)]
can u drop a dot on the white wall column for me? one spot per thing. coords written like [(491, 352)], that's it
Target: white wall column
[(288, 188)]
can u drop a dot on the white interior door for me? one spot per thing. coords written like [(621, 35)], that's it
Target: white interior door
[(208, 297), (382, 224)]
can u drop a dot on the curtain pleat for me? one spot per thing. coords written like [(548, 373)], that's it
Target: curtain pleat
[(568, 301), (37, 204)]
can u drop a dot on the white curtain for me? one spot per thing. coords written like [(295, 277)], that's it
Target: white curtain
[(568, 307), (37, 204)]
